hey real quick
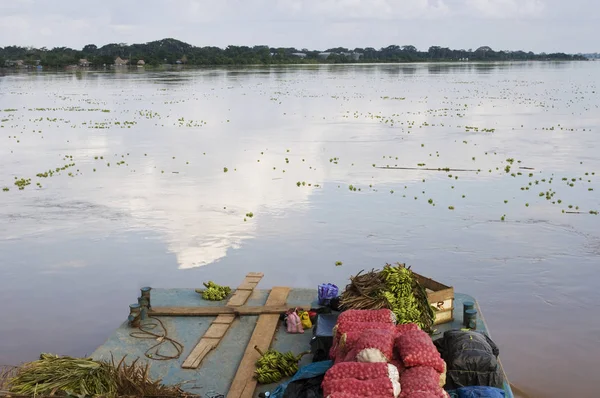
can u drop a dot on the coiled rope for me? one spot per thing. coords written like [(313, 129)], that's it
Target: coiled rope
[(146, 331)]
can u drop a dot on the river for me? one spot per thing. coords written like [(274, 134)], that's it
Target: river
[(158, 172)]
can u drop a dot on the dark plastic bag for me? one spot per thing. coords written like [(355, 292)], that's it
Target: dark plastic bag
[(471, 359), (306, 388), (315, 370)]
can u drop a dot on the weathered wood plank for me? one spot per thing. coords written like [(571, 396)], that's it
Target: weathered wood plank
[(199, 352), (239, 297), (214, 311), (206, 344), (247, 285), (224, 318), (244, 384), (216, 331)]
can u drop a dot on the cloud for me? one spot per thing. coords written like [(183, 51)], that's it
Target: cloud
[(508, 8), (315, 24), (363, 10)]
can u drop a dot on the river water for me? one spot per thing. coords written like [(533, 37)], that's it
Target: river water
[(147, 200)]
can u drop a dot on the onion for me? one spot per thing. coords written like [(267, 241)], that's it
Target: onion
[(417, 349)]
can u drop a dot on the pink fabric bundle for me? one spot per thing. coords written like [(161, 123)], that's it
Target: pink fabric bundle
[(294, 324)]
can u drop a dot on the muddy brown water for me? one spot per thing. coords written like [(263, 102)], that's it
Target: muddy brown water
[(74, 251)]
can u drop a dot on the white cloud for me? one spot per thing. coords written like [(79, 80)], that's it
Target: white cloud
[(508, 8), (316, 24), (360, 9)]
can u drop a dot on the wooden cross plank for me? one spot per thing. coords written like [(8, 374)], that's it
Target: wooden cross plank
[(206, 344), (214, 310), (224, 318), (244, 383), (239, 297), (216, 330)]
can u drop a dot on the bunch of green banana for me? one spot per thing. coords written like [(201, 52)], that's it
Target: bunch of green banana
[(272, 366), (214, 292), (267, 376), (400, 295)]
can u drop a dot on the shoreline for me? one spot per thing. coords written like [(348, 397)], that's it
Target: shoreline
[(180, 67)]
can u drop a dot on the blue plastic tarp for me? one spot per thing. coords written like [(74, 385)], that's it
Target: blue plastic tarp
[(477, 392), (307, 372)]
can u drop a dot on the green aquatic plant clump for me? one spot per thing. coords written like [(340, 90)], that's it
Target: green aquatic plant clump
[(214, 292)]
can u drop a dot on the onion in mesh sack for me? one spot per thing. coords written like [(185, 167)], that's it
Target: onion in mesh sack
[(351, 395), (406, 327), (398, 364), (348, 326), (417, 349), (363, 388), (372, 346), (383, 315), (421, 379), (362, 371), (426, 394)]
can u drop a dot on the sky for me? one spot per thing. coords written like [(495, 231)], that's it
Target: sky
[(531, 25)]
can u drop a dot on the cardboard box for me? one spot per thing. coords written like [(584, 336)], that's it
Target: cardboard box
[(440, 296)]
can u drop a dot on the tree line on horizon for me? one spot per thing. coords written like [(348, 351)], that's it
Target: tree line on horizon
[(171, 51)]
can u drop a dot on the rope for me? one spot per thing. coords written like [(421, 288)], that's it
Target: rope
[(145, 332)]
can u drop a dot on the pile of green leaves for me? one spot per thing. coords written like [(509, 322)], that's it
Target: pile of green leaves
[(84, 377), (52, 374)]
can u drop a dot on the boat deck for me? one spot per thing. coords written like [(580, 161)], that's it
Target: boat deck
[(216, 372)]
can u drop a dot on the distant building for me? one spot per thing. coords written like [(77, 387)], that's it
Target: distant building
[(18, 63), (141, 62), (121, 62), (178, 62), (84, 63), (299, 55)]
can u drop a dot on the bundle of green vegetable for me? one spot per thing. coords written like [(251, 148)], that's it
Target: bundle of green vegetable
[(214, 292), (84, 377), (52, 374), (273, 366), (396, 288)]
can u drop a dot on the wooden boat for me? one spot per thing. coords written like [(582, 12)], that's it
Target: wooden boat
[(223, 370)]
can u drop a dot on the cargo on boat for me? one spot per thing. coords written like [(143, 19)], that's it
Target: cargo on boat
[(219, 337), (390, 333)]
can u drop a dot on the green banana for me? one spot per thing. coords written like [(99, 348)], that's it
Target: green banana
[(214, 292), (272, 366)]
